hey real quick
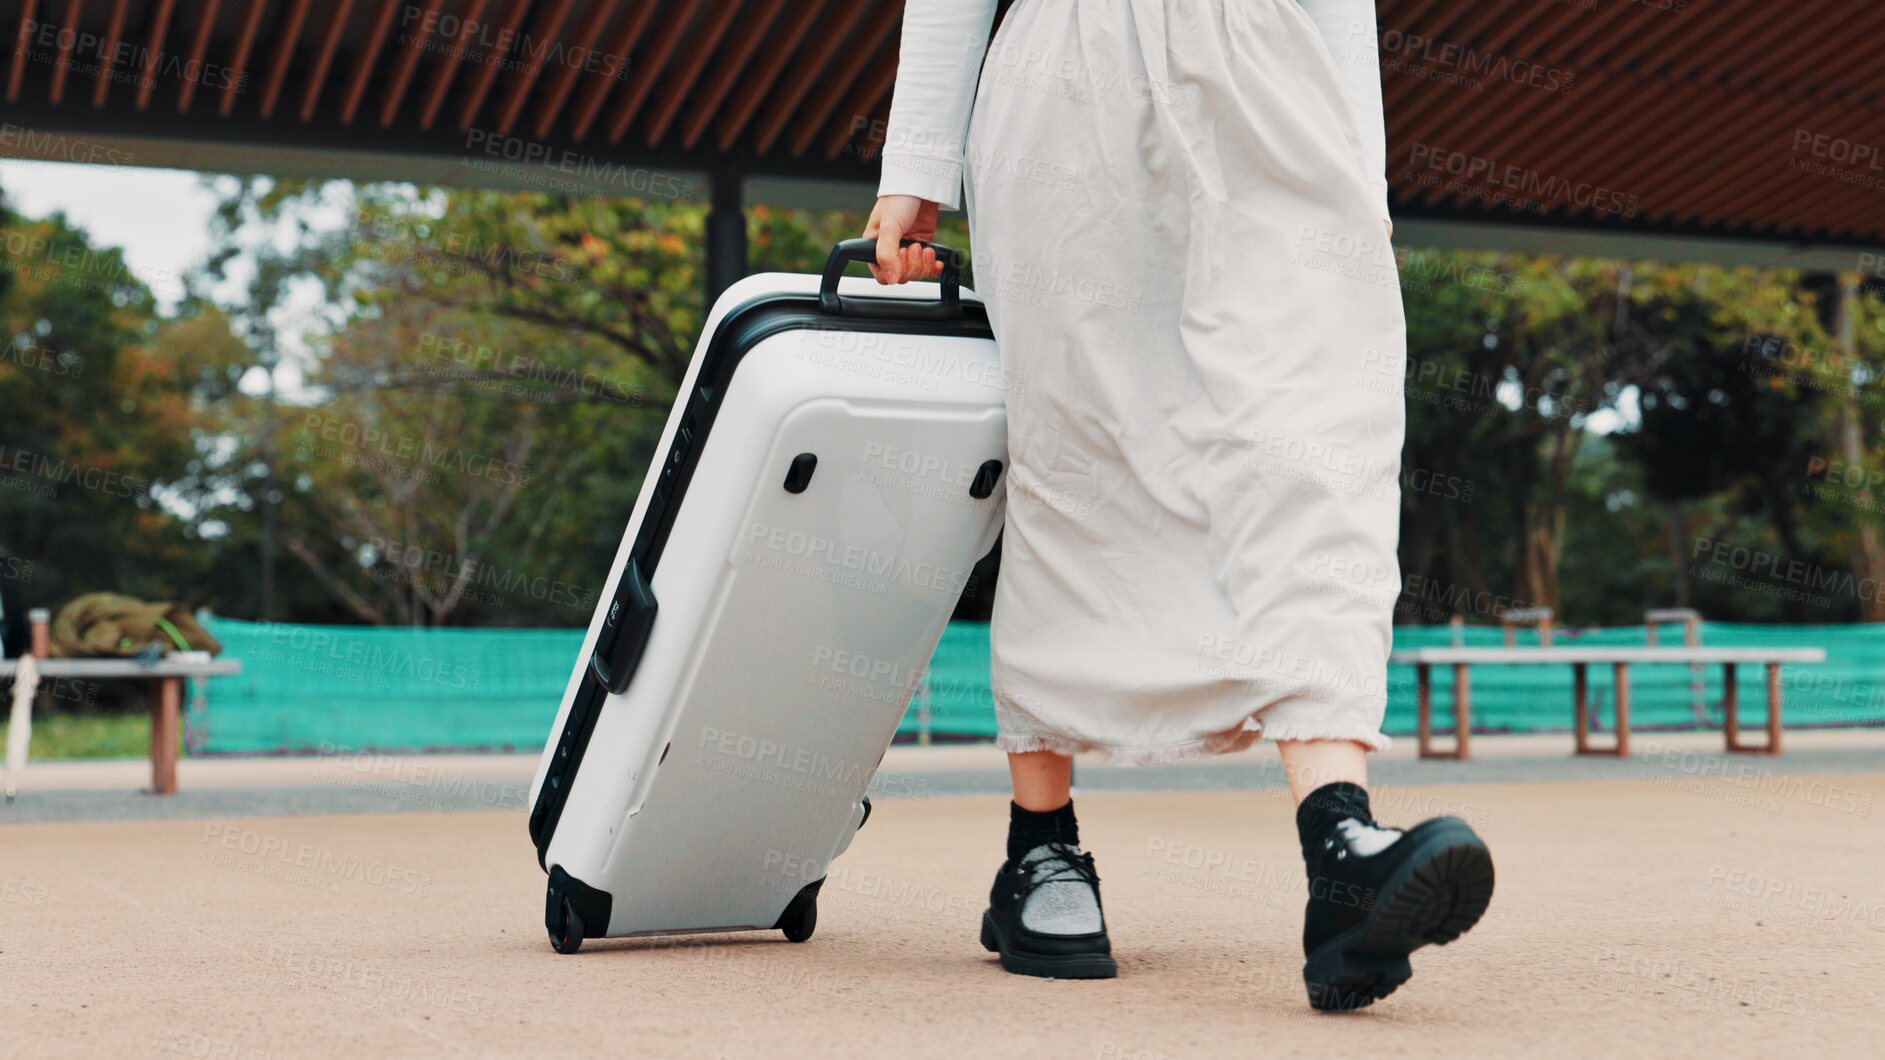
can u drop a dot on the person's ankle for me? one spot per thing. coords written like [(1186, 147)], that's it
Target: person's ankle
[(1028, 829)]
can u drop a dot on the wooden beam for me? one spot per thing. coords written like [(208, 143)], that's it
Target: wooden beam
[(482, 86), (692, 64), (447, 69), (324, 59), (240, 67), (811, 62), (759, 86), (206, 22), (20, 41), (643, 79), (369, 55), (415, 43), (812, 117), (600, 88), (284, 56), (67, 42), (525, 79), (153, 51), (108, 59), (871, 90), (551, 103), (732, 63)]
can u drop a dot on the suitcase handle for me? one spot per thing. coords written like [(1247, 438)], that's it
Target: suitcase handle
[(625, 631), (865, 249)]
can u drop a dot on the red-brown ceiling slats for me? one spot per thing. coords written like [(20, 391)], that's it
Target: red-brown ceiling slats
[(1695, 114), (108, 58), (200, 45), (810, 65), (153, 51), (759, 84), (415, 42), (363, 63), (730, 65), (660, 47), (588, 36), (1745, 195), (870, 37), (20, 43), (67, 41), (491, 61), (862, 107), (445, 70), (1706, 59), (240, 64), (538, 50), (600, 87), (689, 67), (284, 56), (324, 59)]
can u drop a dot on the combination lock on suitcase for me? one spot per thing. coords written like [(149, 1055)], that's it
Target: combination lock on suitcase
[(826, 481)]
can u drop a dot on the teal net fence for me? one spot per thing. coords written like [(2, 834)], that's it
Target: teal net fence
[(303, 688)]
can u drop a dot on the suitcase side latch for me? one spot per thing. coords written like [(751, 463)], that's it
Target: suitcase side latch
[(625, 632)]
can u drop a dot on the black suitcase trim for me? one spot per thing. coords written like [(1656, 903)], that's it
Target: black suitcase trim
[(618, 653)]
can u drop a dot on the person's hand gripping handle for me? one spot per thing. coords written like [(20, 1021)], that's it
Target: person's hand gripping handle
[(894, 219)]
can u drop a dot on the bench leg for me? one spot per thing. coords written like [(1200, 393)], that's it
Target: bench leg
[(1623, 710), (165, 709), (1730, 708), (1773, 708), (1423, 706), (1580, 703), (1732, 723), (1462, 711)]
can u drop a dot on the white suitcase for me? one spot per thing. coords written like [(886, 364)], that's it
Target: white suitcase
[(838, 446)]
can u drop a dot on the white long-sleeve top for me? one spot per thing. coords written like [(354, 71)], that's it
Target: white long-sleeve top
[(941, 53)]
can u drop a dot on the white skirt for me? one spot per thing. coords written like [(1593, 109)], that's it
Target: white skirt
[(1190, 282)]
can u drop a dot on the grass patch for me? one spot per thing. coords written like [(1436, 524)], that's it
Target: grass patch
[(87, 735)]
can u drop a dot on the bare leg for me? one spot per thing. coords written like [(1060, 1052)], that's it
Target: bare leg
[(1042, 780), (1309, 764)]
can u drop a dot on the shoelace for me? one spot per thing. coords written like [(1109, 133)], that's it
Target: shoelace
[(1067, 866)]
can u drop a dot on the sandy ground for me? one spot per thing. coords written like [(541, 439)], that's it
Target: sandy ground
[(1632, 918)]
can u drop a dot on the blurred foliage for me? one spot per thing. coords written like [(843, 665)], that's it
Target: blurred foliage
[(458, 431)]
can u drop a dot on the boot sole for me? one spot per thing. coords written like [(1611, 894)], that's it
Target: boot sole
[(1434, 898), (1046, 966)]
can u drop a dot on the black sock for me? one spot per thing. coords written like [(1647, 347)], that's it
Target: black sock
[(1328, 805), (1028, 829)]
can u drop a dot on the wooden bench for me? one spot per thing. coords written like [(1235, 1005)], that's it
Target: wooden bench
[(166, 704), (1581, 660)]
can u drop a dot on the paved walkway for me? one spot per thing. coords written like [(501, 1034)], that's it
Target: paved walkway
[(1674, 914)]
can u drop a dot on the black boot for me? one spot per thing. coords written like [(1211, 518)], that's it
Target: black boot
[(1378, 894)]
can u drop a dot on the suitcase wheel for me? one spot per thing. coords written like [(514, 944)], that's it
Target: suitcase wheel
[(571, 938), (799, 925)]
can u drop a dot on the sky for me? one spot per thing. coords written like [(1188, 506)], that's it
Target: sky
[(160, 217)]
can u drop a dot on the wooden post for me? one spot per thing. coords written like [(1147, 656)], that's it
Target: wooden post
[(1580, 697), (1773, 708), (1622, 671), (1462, 711), (1423, 706), (1730, 707), (164, 735)]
